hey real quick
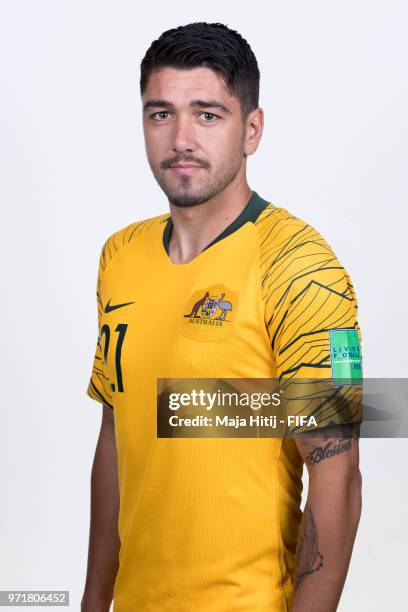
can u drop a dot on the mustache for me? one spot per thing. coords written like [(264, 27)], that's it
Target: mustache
[(167, 163)]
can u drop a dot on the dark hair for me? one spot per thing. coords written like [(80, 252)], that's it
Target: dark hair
[(214, 46)]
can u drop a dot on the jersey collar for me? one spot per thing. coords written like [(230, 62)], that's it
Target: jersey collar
[(251, 212)]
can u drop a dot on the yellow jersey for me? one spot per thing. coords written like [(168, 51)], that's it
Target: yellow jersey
[(211, 524)]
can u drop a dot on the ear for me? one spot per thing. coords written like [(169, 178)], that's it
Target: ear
[(253, 130)]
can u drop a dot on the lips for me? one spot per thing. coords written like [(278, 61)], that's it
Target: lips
[(185, 168)]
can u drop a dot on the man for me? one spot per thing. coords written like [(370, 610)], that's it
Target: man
[(228, 285)]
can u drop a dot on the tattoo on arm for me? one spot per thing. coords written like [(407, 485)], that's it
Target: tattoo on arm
[(320, 453), (338, 440), (308, 557)]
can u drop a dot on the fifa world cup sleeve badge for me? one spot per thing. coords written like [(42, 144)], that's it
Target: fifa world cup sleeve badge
[(345, 357)]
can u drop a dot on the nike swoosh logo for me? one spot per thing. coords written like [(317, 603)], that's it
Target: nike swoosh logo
[(109, 308)]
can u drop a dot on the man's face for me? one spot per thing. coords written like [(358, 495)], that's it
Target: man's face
[(194, 133)]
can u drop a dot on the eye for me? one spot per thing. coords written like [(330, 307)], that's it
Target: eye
[(160, 115), (209, 117)]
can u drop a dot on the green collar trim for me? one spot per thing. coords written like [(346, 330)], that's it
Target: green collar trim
[(251, 212)]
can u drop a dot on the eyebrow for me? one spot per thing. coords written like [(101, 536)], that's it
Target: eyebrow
[(210, 104), (199, 103)]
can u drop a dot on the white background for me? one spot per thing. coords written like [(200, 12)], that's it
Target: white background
[(334, 151)]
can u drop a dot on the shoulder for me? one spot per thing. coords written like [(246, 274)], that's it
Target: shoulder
[(295, 258), (121, 238), (288, 244), (282, 231)]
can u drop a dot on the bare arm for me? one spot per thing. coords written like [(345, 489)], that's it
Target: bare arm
[(104, 541), (330, 520)]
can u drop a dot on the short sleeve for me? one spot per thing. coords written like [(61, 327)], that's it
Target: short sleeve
[(98, 386), (311, 316)]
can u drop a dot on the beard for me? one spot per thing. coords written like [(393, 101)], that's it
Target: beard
[(182, 191)]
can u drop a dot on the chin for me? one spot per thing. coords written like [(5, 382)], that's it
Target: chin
[(186, 200), (186, 193), (187, 197)]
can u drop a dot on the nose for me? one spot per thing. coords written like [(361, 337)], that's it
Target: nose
[(184, 138)]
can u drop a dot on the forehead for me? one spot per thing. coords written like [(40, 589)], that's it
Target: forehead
[(180, 86)]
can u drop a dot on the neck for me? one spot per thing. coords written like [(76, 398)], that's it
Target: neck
[(196, 226)]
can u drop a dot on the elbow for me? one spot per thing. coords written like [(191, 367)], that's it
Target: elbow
[(342, 487)]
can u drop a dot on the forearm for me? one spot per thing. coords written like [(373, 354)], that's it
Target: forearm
[(101, 572), (326, 538), (104, 543)]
